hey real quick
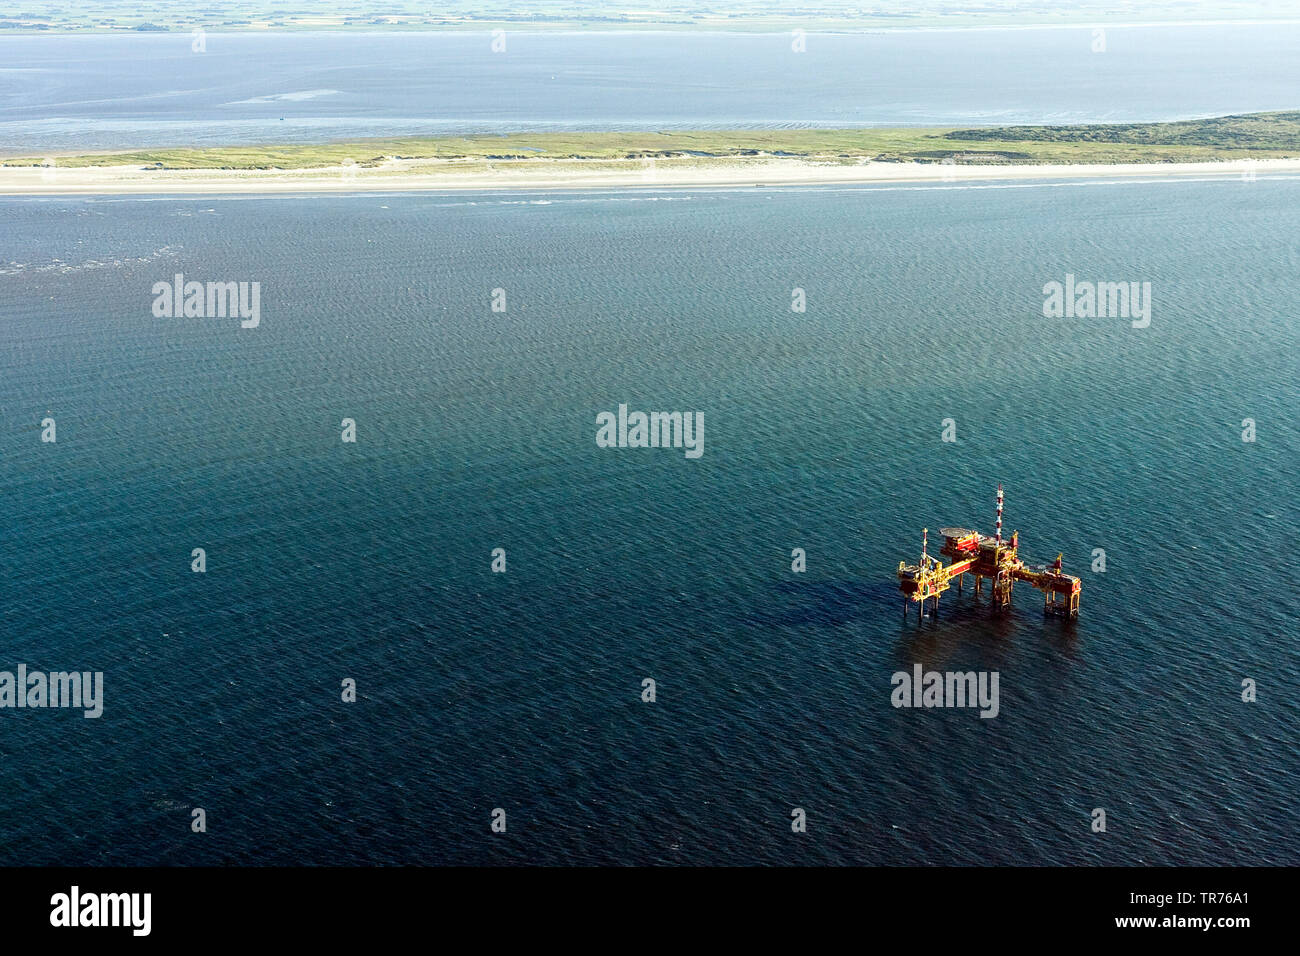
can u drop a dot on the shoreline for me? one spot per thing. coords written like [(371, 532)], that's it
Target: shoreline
[(559, 174)]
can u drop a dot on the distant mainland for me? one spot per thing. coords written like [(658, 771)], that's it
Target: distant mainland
[(263, 16)]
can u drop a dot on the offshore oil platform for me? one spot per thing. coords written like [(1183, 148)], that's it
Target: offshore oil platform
[(984, 557)]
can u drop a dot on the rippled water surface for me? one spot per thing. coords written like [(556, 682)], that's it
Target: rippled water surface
[(476, 431)]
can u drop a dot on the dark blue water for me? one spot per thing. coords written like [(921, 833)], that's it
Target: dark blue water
[(82, 92), (476, 431)]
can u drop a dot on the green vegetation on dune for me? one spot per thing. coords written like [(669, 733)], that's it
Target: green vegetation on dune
[(1247, 131), (1259, 135)]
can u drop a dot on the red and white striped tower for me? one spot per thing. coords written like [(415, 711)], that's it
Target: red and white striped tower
[(999, 514)]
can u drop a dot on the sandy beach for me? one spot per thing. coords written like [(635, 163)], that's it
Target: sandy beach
[(544, 174)]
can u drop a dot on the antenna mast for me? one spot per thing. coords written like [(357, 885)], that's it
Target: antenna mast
[(999, 514)]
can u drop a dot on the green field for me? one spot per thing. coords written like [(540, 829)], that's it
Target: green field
[(1258, 135)]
